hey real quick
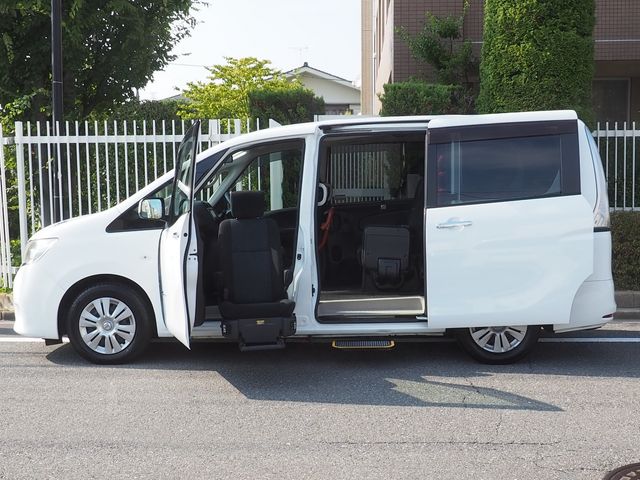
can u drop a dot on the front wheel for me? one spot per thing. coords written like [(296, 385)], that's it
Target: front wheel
[(109, 324), (498, 345)]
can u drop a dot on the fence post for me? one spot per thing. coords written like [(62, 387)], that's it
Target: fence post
[(22, 190), (6, 273)]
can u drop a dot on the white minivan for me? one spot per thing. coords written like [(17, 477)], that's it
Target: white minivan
[(360, 232)]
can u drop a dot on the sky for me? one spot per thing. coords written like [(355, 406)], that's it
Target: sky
[(324, 33)]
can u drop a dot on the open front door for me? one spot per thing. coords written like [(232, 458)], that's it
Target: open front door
[(509, 237), (179, 245)]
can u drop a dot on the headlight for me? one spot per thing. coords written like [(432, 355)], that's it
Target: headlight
[(37, 248)]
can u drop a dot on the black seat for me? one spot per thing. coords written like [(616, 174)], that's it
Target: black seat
[(252, 274), (387, 250)]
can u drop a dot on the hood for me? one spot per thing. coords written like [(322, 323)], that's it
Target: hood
[(96, 221)]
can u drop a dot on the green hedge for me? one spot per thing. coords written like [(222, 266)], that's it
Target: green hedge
[(537, 55), (285, 106), (417, 98), (625, 230)]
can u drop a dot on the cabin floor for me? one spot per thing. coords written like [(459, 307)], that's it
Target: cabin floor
[(349, 303)]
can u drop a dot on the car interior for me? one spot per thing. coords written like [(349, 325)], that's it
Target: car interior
[(246, 216), (369, 221), (370, 218)]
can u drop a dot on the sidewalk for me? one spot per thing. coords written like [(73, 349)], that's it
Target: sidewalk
[(628, 306)]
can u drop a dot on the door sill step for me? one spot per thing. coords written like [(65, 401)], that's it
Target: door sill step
[(363, 344), (249, 347)]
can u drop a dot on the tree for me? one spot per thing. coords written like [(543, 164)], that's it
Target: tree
[(110, 48), (226, 95), (441, 45), (537, 55), (285, 106), (145, 110)]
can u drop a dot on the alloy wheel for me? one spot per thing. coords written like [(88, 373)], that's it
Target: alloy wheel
[(498, 339), (107, 325)]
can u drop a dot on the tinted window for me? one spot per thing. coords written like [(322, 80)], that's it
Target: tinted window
[(499, 169)]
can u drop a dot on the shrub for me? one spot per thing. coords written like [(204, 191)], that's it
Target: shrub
[(145, 110), (417, 98), (442, 45), (285, 106), (625, 230), (537, 55)]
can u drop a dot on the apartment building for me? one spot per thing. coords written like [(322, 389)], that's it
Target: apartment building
[(386, 58)]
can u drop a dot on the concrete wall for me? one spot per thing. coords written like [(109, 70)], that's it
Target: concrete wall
[(366, 86)]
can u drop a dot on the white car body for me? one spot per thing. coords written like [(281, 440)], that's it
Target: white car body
[(554, 261)]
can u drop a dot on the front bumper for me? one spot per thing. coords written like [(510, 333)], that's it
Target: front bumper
[(36, 299)]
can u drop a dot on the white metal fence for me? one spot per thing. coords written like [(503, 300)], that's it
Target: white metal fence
[(84, 167), (619, 147), (106, 162), (6, 270)]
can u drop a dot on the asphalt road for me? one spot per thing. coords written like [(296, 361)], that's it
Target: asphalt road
[(570, 411)]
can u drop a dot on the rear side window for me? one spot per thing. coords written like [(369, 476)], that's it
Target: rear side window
[(501, 169)]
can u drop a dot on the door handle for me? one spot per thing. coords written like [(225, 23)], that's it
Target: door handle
[(454, 224), (176, 235)]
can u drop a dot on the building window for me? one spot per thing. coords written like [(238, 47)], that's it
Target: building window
[(611, 100)]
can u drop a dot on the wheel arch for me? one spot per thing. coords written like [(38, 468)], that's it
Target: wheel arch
[(78, 287)]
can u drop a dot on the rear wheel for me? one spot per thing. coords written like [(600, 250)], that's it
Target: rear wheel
[(108, 324), (498, 345)]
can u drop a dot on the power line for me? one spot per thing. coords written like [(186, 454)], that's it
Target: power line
[(188, 65)]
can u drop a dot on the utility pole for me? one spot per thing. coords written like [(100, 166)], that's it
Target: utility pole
[(57, 166)]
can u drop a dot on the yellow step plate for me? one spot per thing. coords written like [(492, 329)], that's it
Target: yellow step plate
[(363, 344)]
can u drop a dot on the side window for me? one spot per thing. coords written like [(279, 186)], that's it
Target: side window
[(495, 170), (373, 172), (276, 173)]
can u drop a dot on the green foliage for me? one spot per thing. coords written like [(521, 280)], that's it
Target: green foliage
[(625, 231), (537, 55), (441, 44), (285, 106), (110, 48), (226, 95), (17, 110), (145, 110), (417, 98)]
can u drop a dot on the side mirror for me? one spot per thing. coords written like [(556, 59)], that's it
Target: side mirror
[(151, 208)]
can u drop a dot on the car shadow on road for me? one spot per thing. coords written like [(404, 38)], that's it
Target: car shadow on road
[(412, 374)]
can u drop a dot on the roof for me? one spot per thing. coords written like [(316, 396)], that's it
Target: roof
[(357, 121), (305, 68)]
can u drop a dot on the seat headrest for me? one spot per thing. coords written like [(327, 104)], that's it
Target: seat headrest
[(247, 204)]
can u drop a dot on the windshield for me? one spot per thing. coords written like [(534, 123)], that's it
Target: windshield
[(208, 190)]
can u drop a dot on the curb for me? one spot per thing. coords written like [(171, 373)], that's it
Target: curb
[(628, 300), (627, 314), (6, 307)]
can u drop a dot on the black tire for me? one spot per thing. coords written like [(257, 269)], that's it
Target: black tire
[(121, 337), (517, 347)]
